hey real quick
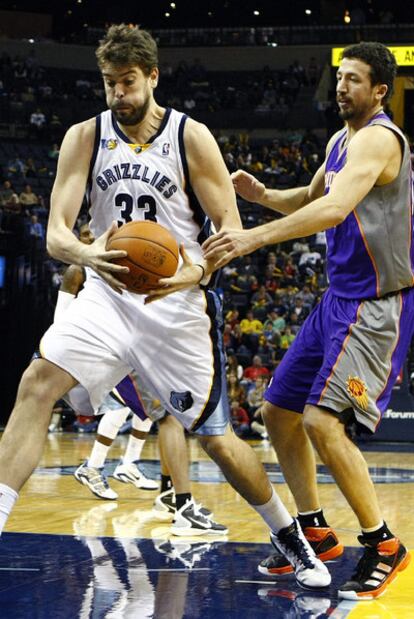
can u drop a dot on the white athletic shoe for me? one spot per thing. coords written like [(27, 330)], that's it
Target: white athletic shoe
[(310, 572), (95, 480), (130, 474), (190, 521)]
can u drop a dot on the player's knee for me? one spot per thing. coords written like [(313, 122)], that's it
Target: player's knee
[(221, 449), (315, 425), (37, 384), (278, 417)]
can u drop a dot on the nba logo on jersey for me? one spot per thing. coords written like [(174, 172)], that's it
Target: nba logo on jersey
[(165, 149)]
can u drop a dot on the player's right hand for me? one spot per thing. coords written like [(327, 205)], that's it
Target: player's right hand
[(247, 186), (100, 259)]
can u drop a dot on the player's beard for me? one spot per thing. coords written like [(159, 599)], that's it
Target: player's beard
[(133, 115), (354, 112)]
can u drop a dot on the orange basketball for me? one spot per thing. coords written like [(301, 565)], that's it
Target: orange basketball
[(152, 254)]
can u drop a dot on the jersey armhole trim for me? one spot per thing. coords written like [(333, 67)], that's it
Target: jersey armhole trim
[(95, 148), (183, 155)]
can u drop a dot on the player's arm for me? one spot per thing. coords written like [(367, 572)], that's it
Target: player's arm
[(369, 154), (72, 281), (210, 180), (66, 201), (214, 190), (285, 201)]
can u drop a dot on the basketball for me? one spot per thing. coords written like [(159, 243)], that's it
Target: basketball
[(152, 254)]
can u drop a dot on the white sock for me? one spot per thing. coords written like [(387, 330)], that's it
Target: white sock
[(98, 455), (274, 513), (8, 497)]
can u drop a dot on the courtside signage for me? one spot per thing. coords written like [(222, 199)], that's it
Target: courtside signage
[(403, 55)]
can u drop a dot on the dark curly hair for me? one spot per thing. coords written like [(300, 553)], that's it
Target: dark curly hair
[(382, 63), (125, 45)]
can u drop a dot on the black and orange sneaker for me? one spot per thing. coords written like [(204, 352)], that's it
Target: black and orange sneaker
[(377, 567), (323, 541)]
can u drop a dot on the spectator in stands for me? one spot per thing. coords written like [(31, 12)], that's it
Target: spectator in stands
[(290, 273), (56, 128), (28, 199), (256, 369), (300, 309), (15, 167), (53, 153), (235, 390), (255, 394), (286, 338), (36, 231), (239, 419), (250, 325), (261, 298), (6, 193), (232, 317), (293, 322), (234, 367), (307, 296), (299, 247), (275, 322), (30, 169), (237, 337)]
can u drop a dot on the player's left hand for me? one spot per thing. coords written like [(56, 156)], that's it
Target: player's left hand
[(229, 244), (188, 275)]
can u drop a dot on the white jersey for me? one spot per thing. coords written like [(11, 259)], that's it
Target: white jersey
[(174, 344), (150, 181)]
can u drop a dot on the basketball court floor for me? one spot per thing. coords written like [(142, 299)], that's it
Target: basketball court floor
[(66, 554)]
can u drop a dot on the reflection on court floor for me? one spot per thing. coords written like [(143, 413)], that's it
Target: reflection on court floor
[(67, 555), (64, 577)]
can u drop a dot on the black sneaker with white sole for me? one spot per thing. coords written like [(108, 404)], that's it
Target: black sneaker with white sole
[(189, 520)]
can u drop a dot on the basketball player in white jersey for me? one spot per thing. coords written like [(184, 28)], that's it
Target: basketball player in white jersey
[(140, 161), (131, 396)]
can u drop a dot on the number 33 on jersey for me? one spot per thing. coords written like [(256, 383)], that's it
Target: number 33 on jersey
[(144, 181)]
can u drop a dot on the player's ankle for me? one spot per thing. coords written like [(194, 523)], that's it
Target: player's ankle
[(312, 519)]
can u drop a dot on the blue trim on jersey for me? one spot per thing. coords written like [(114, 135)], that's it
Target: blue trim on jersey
[(126, 139), (199, 215), (214, 311), (96, 142)]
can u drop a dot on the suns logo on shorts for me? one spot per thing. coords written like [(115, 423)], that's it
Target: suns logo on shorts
[(358, 390)]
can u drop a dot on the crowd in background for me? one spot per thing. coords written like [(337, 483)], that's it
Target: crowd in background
[(45, 101), (267, 295)]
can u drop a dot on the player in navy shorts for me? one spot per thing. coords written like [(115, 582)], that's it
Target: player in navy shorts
[(339, 372)]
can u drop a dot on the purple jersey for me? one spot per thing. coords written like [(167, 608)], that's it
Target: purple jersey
[(371, 254)]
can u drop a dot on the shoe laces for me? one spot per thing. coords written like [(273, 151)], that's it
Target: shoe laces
[(99, 479), (296, 547)]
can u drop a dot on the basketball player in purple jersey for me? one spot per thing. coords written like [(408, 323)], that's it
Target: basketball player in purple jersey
[(340, 370)]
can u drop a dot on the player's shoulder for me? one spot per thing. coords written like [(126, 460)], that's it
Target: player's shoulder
[(334, 138), (84, 130), (195, 130), (377, 138)]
